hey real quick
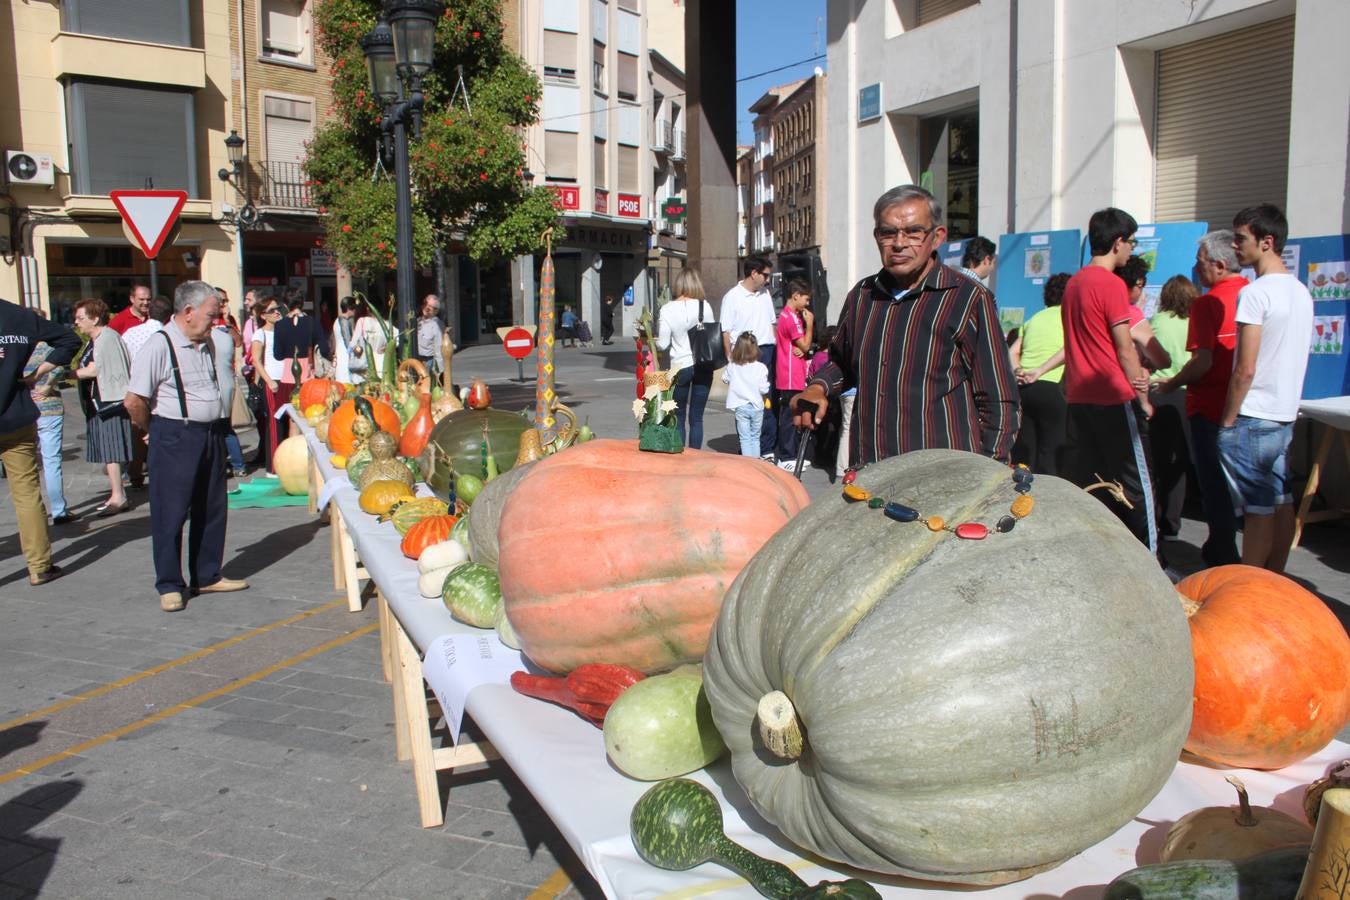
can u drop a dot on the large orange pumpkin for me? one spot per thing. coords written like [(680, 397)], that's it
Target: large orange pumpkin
[(314, 391), (1272, 668), (612, 555), (340, 438)]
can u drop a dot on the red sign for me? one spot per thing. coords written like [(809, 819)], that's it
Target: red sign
[(149, 216), (630, 206), (569, 196), (601, 201), (518, 343)]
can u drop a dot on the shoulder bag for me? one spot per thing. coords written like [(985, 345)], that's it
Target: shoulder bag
[(705, 342)]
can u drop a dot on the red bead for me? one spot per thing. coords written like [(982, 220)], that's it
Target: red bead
[(850, 476), (972, 531)]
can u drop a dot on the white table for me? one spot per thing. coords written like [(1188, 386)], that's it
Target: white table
[(561, 760), (1334, 414)]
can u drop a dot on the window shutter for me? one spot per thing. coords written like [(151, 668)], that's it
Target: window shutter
[(601, 169), (629, 5), (931, 10), (281, 26), (628, 76), (152, 21), (560, 54), (123, 135), (289, 124), (1214, 158), (629, 176), (560, 155)]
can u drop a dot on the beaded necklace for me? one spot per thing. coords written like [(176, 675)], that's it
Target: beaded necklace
[(1020, 508)]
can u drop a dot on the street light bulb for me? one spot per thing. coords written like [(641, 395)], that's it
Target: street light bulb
[(234, 146)]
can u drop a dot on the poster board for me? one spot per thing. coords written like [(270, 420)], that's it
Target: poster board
[(1025, 260), (1169, 248), (1323, 264), (950, 253)]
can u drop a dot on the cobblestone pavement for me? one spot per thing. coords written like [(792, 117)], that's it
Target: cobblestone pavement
[(243, 748)]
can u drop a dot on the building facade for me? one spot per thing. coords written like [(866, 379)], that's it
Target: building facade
[(103, 96), (798, 176), (669, 178), (1031, 115)]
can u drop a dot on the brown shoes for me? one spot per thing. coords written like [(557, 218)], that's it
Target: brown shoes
[(223, 586), (171, 602)]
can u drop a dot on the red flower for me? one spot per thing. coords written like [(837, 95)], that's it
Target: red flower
[(482, 176), (346, 228), (380, 245), (477, 35)]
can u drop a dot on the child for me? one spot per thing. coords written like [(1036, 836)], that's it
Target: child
[(747, 381), (793, 338)]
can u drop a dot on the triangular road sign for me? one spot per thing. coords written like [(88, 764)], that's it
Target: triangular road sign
[(149, 215)]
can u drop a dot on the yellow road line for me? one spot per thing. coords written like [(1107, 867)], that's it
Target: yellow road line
[(166, 666), (551, 886), (163, 714)]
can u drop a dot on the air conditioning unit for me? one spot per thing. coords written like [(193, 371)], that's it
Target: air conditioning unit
[(22, 167)]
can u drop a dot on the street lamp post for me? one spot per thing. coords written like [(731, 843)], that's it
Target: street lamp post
[(402, 46)]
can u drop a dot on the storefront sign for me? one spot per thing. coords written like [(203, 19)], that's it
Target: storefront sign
[(322, 262), (630, 206), (602, 201), (605, 238), (869, 102), (674, 210), (569, 196)]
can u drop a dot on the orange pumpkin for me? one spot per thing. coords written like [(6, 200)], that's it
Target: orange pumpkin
[(612, 555), (431, 530), (1272, 668), (340, 438), (314, 392)]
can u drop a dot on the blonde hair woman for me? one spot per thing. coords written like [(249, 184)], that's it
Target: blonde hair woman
[(692, 383)]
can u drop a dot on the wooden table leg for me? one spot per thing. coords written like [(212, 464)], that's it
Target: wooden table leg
[(315, 479), (413, 691), (1314, 478), (335, 550), (353, 573)]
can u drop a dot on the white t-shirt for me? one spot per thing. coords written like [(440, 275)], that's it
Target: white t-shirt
[(135, 337), (1282, 306), (746, 383), (744, 311), (273, 367), (367, 330), (677, 317)]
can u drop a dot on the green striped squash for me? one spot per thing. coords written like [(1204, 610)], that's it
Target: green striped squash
[(473, 594)]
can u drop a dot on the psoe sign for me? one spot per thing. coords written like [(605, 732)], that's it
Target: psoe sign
[(630, 206)]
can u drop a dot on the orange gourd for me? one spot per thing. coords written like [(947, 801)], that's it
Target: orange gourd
[(314, 392), (431, 530), (418, 430), (1272, 668), (641, 548), (340, 438)]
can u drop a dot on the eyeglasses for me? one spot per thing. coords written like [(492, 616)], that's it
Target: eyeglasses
[(766, 274), (914, 235), (271, 311), (1132, 241)]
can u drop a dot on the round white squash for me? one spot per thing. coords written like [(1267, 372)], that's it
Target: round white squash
[(291, 464)]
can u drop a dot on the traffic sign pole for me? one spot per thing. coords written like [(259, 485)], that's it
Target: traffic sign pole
[(520, 370)]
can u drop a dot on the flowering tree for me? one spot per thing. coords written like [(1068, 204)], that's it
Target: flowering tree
[(467, 167)]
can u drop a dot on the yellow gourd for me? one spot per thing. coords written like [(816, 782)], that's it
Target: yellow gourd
[(1222, 832), (378, 496)]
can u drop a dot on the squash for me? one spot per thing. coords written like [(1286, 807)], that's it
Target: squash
[(291, 463), (1337, 777), (641, 548), (1268, 876), (378, 497), (473, 594), (460, 533), (408, 513), (1272, 668), (487, 515), (340, 437), (418, 430), (972, 711), (314, 392), (431, 530), (1222, 832), (662, 727), (678, 825), (456, 443), (505, 633), (431, 584), (445, 554)]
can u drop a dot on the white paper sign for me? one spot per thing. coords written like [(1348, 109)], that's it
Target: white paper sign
[(455, 664), (330, 487), (1040, 240)]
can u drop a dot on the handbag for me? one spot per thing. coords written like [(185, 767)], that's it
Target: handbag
[(240, 414), (705, 342), (113, 410)]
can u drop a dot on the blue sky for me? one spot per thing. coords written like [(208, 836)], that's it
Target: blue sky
[(769, 34)]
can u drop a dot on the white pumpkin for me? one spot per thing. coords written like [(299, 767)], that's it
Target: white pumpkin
[(291, 463)]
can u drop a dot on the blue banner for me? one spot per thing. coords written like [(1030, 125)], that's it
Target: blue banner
[(1026, 260), (1321, 264)]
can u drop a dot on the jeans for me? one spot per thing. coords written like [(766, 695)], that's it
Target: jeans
[(692, 385), (749, 419), (768, 432), (49, 430), (1216, 496), (1255, 454), (232, 448)]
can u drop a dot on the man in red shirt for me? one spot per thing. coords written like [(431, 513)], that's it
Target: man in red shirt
[(138, 308), (1104, 384), (1211, 338)]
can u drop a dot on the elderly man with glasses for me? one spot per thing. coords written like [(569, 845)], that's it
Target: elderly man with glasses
[(923, 346)]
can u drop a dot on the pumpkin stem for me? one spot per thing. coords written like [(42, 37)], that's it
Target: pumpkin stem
[(1188, 606), (1112, 487), (1244, 816), (778, 726)]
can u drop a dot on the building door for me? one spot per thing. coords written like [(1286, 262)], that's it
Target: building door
[(949, 145)]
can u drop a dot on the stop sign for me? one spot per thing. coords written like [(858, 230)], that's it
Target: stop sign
[(518, 343)]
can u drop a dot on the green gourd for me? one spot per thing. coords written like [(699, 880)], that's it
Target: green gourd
[(661, 727), (1274, 875), (473, 594), (677, 825)]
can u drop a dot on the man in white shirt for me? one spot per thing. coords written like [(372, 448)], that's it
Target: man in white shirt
[(134, 338), (748, 306), (1274, 322)]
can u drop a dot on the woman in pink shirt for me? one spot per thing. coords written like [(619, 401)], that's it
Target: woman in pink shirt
[(792, 335)]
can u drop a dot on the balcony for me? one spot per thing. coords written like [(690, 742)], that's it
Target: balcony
[(284, 185), (662, 137), (677, 144)]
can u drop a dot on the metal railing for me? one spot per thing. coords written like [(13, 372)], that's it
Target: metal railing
[(284, 185)]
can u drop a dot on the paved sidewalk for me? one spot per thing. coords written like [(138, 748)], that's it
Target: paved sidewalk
[(243, 748)]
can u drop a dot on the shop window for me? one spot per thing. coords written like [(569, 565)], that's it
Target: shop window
[(285, 29), (123, 137), (152, 21), (560, 55)]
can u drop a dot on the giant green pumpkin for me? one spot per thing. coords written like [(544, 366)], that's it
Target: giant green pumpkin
[(458, 438), (972, 711)]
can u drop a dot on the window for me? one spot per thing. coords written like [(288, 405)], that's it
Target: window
[(560, 155), (932, 10), (122, 135), (560, 55), (598, 69), (288, 124), (284, 27), (601, 169), (628, 76), (630, 178), (152, 21), (631, 5)]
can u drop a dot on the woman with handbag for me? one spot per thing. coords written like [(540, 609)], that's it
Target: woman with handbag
[(343, 327), (693, 379), (103, 373), (269, 371)]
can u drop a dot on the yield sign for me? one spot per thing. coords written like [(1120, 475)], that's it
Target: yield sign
[(149, 215)]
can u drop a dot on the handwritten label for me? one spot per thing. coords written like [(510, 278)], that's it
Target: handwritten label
[(455, 664)]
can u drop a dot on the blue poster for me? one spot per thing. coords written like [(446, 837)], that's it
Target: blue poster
[(629, 297), (1321, 264), (1025, 260), (950, 253)]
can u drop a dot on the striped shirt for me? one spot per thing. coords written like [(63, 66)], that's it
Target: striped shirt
[(930, 365)]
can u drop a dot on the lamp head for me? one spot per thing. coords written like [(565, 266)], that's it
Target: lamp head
[(378, 47), (413, 23)]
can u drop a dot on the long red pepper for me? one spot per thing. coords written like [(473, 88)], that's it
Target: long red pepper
[(588, 690)]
